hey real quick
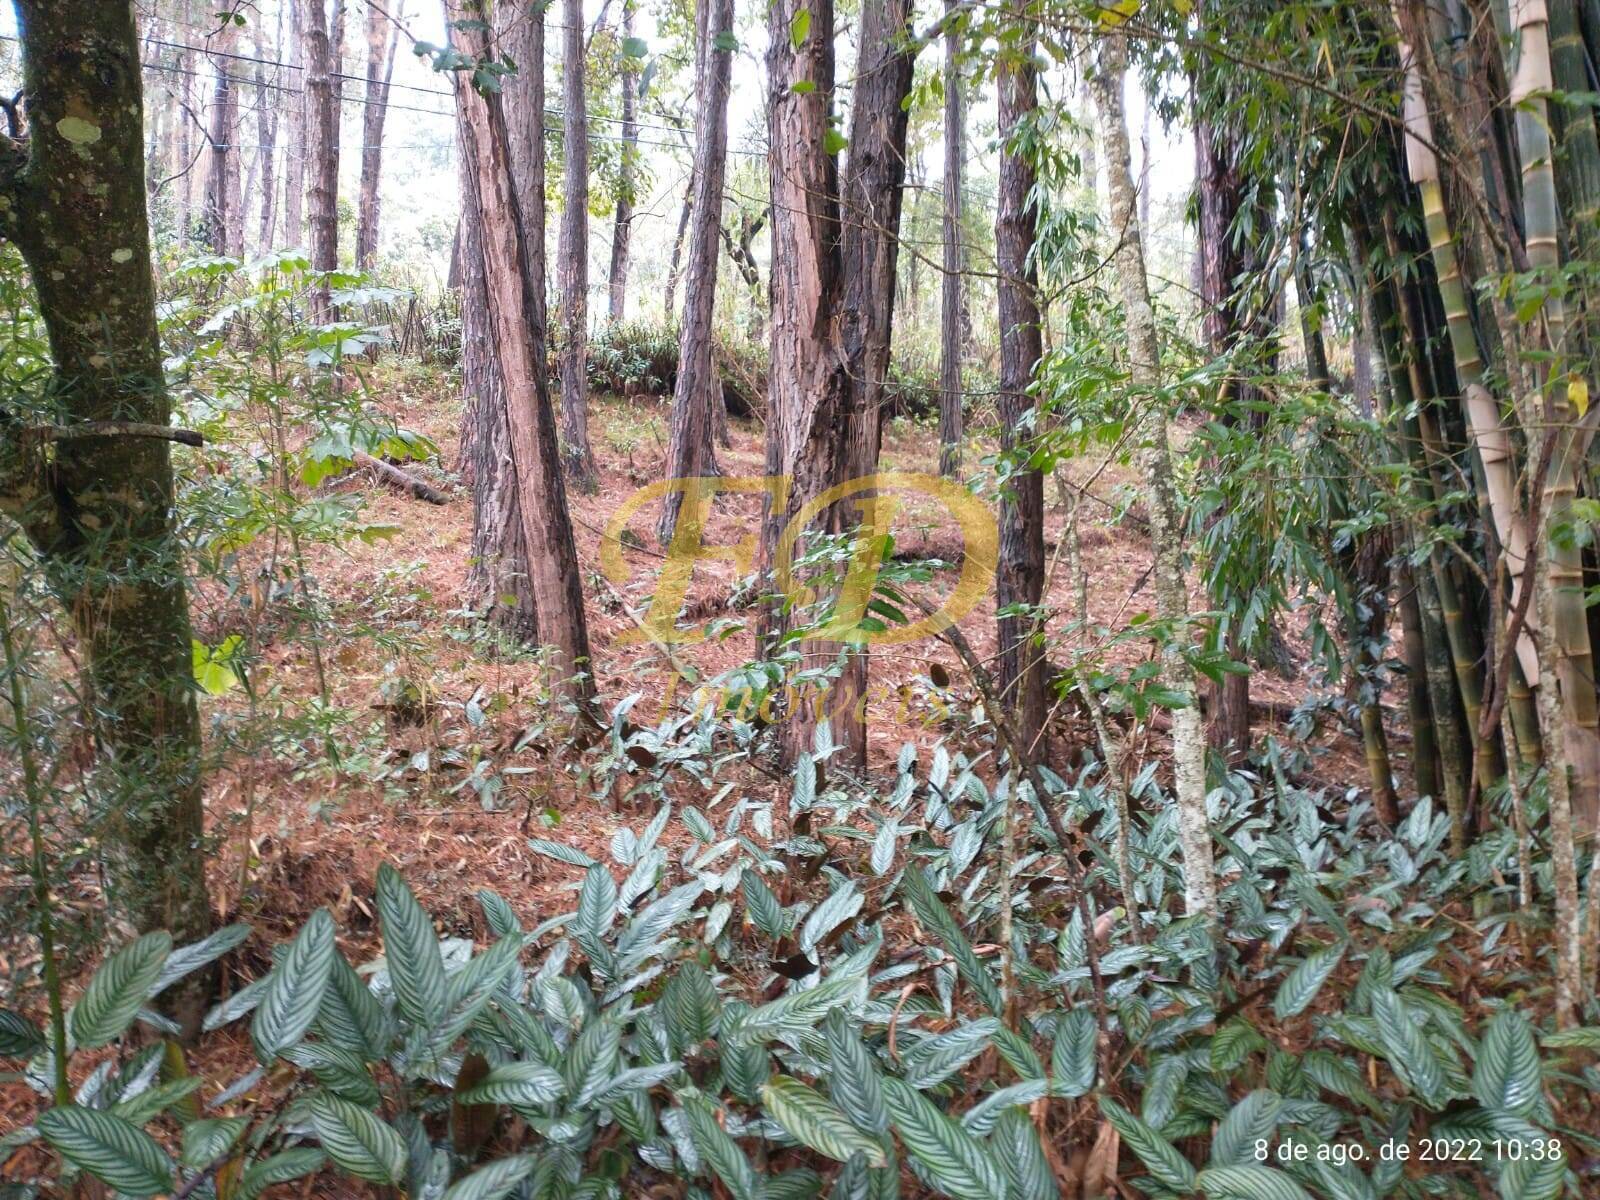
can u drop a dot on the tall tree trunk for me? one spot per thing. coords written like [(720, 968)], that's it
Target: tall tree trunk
[(1155, 461), (622, 229), (224, 222), (551, 559), (383, 36), (322, 196), (697, 394), (809, 390), (1019, 573), (100, 512), (871, 197), (294, 146), (950, 392), (267, 135), (574, 257)]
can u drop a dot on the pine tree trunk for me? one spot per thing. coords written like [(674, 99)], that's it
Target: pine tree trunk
[(1019, 573), (951, 430), (322, 195), (622, 228), (809, 389), (574, 256), (103, 523), (1155, 461), (383, 36), (294, 154), (871, 193), (697, 393), (551, 559)]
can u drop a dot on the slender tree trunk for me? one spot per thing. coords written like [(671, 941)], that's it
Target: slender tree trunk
[(1414, 652), (534, 454), (574, 257), (809, 389), (383, 37), (674, 265), (101, 509), (294, 153), (223, 220), (1019, 574), (322, 197), (871, 198), (1155, 461), (622, 229), (267, 134), (697, 394), (950, 391)]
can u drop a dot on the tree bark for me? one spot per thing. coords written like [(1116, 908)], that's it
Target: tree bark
[(267, 135), (101, 510), (698, 390), (574, 258), (294, 152), (1019, 574), (534, 452), (383, 37), (622, 228), (674, 266), (951, 429), (871, 197), (224, 222), (322, 196), (809, 388), (1155, 461)]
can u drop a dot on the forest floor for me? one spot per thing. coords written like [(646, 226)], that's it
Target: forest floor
[(295, 831)]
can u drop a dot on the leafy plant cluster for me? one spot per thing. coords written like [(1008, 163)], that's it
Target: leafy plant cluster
[(733, 1003)]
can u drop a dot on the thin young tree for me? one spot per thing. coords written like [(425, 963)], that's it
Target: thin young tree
[(1155, 462), (1019, 573), (551, 559), (267, 136), (951, 429), (622, 226), (295, 115), (697, 392), (383, 38), (322, 112), (224, 222), (574, 256), (94, 489)]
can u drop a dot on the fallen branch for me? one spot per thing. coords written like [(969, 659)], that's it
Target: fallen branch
[(109, 429), (400, 480)]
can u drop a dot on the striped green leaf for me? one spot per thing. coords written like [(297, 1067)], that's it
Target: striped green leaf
[(720, 1152), (1407, 1050), (350, 1016), (356, 1140), (816, 1123), (190, 958), (117, 1153), (936, 917), (295, 988), (495, 1180), (1253, 1119), (411, 950), (854, 1082), (690, 1005), (469, 989), (118, 990), (765, 912), (1249, 1182), (953, 1159), (519, 1084), (1016, 1144), (934, 1059), (1301, 985), (207, 1140), (19, 1037), (1160, 1157), (1507, 1077), (280, 1168), (798, 1011), (1072, 1058)]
